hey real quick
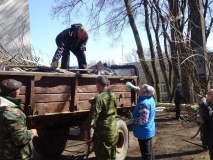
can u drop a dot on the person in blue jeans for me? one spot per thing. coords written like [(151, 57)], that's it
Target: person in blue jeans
[(143, 121)]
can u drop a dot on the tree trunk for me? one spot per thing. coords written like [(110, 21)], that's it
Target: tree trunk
[(140, 51), (155, 73)]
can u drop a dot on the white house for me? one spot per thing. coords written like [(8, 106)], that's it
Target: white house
[(14, 29)]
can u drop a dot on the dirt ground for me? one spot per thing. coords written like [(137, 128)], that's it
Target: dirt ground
[(172, 141)]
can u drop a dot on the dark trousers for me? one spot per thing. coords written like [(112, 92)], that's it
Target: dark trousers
[(146, 149), (65, 53), (65, 60), (81, 57), (210, 152), (177, 109)]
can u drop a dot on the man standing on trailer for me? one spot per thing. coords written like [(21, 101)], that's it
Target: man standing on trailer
[(73, 39)]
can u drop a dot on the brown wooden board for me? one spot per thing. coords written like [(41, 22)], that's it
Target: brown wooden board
[(22, 90), (119, 88), (42, 98), (22, 97), (87, 89), (53, 107), (123, 94), (124, 102), (93, 89), (85, 105), (85, 96), (46, 81), (56, 89)]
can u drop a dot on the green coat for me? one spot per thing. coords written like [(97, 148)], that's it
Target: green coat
[(14, 135), (102, 117)]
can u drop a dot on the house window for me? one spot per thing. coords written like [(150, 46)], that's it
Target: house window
[(163, 88), (164, 93)]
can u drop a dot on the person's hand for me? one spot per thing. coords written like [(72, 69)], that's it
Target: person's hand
[(35, 133), (137, 89), (54, 65)]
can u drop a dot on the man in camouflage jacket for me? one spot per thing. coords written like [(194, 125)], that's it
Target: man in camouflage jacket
[(102, 117), (14, 136)]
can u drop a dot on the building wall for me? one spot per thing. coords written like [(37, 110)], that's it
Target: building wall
[(15, 28)]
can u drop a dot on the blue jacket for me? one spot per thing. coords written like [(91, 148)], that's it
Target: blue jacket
[(144, 118)]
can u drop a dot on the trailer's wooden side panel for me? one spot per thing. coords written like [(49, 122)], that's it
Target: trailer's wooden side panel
[(53, 95), (86, 89), (48, 94)]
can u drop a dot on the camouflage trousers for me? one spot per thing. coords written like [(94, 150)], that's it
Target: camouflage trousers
[(105, 150), (17, 153)]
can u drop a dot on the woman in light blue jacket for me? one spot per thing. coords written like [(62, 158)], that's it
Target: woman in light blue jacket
[(143, 121)]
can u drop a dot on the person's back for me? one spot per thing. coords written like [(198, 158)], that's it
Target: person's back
[(102, 118), (177, 95), (11, 138), (14, 135), (106, 122)]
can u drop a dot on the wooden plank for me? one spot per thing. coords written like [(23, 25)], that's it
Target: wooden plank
[(117, 84), (42, 98), (87, 89), (87, 96), (22, 97), (31, 105), (119, 88), (22, 107), (85, 105), (93, 89), (22, 90), (123, 94), (56, 89), (124, 102), (53, 107), (76, 91)]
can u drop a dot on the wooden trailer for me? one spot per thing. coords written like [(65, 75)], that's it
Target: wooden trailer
[(55, 102)]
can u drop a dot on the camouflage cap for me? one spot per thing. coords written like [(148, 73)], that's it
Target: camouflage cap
[(102, 80), (10, 85)]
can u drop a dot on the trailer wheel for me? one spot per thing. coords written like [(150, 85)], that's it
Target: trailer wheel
[(123, 140), (50, 146)]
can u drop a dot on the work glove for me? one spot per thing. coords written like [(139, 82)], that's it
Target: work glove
[(54, 64)]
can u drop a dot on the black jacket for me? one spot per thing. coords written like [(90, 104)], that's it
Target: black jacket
[(68, 38), (207, 128), (178, 97)]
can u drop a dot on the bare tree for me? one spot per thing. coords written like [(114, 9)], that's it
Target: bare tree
[(168, 27)]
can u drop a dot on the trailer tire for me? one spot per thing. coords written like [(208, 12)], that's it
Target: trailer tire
[(50, 146), (123, 140)]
